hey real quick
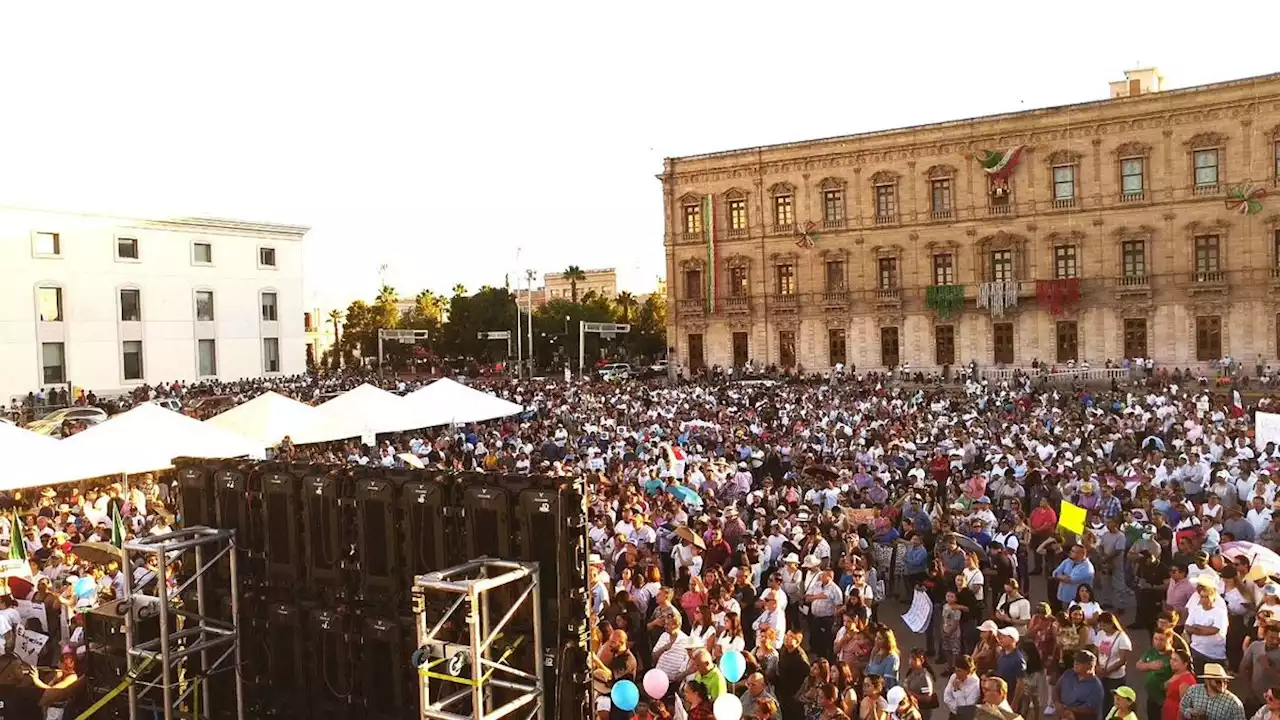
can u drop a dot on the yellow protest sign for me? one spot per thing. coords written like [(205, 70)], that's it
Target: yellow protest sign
[(1071, 518)]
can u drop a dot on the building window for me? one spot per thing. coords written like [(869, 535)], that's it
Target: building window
[(1135, 338), (738, 282), (48, 243), (204, 306), (208, 357), (271, 355), (49, 301), (783, 211), (692, 219), (1002, 343), (1132, 182), (202, 253), (835, 275), (53, 362), (1064, 183), (886, 202), (1207, 257), (270, 312), (888, 275), (833, 207), (835, 346), (889, 356), (786, 277), (787, 348), (131, 354), (693, 284), (266, 257), (944, 269), (696, 359), (941, 197), (1208, 338), (1133, 259), (944, 345), (1064, 262), (740, 349), (130, 305), (1067, 341), (1206, 168), (1001, 265), (1276, 152), (737, 214), (126, 248)]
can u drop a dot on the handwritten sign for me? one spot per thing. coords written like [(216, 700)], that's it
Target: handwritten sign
[(28, 610), (860, 516), (29, 644)]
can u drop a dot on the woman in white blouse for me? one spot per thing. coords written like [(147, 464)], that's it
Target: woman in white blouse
[(1013, 608), (730, 636), (962, 690), (703, 630), (971, 577)]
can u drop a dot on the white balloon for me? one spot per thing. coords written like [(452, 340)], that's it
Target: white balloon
[(727, 707)]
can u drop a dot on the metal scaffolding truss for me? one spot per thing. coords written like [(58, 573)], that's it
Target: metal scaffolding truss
[(167, 660), (509, 684)]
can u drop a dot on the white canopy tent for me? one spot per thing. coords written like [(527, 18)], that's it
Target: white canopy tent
[(145, 439), (372, 410), (29, 458), (447, 402), (268, 418)]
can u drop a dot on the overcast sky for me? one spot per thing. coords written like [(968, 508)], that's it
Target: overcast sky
[(442, 138)]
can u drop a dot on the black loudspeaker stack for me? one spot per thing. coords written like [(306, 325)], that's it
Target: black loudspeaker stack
[(327, 558)]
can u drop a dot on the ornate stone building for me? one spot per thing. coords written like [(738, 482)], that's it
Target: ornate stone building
[(1141, 226)]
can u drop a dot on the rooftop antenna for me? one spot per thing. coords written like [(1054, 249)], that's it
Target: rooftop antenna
[(382, 275)]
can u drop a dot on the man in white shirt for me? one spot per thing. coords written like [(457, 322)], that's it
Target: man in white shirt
[(824, 597), (1207, 623), (771, 617)]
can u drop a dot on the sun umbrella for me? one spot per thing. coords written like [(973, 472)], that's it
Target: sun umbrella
[(684, 533), (685, 495), (654, 487), (965, 542), (1263, 561), (822, 471), (98, 553)]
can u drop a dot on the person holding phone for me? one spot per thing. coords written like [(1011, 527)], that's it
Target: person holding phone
[(59, 687)]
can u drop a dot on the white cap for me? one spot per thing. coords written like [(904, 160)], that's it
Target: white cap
[(895, 696)]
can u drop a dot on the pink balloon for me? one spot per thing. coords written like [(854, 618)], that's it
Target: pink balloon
[(656, 683)]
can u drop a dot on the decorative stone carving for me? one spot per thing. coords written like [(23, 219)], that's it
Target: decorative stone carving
[(1070, 237), (1002, 241), (884, 177), (834, 253), (940, 172), (942, 245), (913, 236), (690, 199), (832, 183), (837, 319), (1132, 149), (889, 318), (1206, 140), (739, 323), (782, 188), (786, 323), (735, 194), (1140, 232), (786, 258), (738, 260), (1063, 157), (693, 264), (887, 251)]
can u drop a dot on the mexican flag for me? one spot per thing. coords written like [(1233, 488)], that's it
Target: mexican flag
[(117, 527), (999, 163), (17, 544)]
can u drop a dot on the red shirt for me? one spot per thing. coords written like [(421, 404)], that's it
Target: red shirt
[(1043, 520)]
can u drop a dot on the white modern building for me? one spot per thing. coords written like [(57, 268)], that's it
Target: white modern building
[(108, 303)]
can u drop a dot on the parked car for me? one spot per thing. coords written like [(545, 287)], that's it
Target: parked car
[(615, 371), (91, 415), (173, 404)]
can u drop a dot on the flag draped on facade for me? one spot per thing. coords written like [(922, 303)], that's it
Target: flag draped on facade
[(999, 163), (709, 209)]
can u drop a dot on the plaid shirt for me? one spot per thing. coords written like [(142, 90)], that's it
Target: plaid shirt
[(1223, 706), (1109, 508)]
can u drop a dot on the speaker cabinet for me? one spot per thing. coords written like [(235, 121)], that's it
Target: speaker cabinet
[(323, 531), (329, 660), (487, 516), (377, 545), (425, 511), (280, 519)]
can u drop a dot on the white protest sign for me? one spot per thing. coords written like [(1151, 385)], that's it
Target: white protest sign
[(29, 645), (1266, 429), (28, 610)]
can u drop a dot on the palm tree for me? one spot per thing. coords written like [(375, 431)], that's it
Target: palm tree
[(386, 295), (573, 274), (335, 316), (428, 305), (459, 290), (625, 302)]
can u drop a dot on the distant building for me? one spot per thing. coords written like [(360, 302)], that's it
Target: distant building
[(109, 303), (320, 333), (604, 282), (539, 296)]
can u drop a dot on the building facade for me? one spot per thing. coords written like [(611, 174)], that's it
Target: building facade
[(1126, 227), (108, 303), (603, 282)]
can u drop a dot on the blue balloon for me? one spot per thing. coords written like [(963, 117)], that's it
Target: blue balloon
[(85, 587), (733, 666), (625, 695)]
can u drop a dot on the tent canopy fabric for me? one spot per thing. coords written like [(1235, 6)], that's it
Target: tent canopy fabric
[(268, 418), (145, 439), (447, 402), (20, 441), (373, 410), (29, 458)]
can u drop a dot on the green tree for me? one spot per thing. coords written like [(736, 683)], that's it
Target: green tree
[(573, 274), (335, 316), (459, 290), (427, 307), (386, 316), (626, 302), (360, 336), (490, 309)]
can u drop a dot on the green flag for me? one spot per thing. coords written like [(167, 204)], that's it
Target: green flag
[(117, 526), (17, 546)]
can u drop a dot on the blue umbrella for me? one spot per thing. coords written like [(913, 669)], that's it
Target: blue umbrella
[(654, 487), (685, 495)]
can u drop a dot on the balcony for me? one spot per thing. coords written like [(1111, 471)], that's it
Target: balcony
[(691, 306), (889, 296), (1133, 197), (1064, 203), (736, 305), (785, 302), (833, 224), (835, 298), (784, 228), (735, 233), (691, 236), (1137, 284), (1208, 281), (1000, 209), (888, 219), (941, 214), (1206, 189)]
